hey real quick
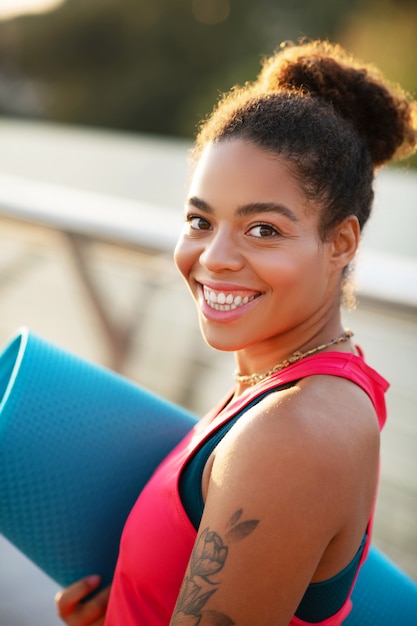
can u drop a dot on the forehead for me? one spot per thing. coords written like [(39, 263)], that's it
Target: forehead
[(237, 171)]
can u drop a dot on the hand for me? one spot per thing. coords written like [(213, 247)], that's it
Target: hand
[(74, 612)]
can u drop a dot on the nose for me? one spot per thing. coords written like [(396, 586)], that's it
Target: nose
[(221, 252)]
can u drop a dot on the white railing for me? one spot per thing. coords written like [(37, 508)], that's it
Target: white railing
[(153, 229)]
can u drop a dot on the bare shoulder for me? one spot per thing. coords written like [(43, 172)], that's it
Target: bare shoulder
[(314, 446), (333, 406), (319, 414)]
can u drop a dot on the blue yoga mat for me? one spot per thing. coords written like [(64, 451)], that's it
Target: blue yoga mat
[(77, 445)]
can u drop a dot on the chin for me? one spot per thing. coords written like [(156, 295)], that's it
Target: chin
[(221, 343)]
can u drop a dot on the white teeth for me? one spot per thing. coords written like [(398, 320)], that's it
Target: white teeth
[(221, 301)]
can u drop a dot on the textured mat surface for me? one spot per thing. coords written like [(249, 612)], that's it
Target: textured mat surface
[(77, 445)]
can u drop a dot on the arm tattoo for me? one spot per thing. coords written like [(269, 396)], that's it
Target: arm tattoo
[(208, 559)]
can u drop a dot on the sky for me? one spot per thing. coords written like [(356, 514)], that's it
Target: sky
[(13, 8)]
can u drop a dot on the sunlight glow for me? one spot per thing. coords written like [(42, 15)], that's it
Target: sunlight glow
[(13, 8)]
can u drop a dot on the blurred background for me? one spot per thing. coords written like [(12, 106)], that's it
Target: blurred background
[(99, 102), (158, 67)]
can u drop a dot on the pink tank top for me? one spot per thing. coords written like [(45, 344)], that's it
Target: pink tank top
[(158, 536)]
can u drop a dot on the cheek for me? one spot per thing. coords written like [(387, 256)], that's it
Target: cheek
[(313, 276), (184, 256), (299, 270)]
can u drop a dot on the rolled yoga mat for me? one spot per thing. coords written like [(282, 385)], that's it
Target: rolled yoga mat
[(77, 445)]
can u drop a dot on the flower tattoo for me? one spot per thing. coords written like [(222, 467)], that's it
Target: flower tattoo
[(208, 559), (209, 555)]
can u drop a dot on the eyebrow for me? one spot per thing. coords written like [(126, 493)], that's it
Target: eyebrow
[(199, 204), (247, 210), (266, 207)]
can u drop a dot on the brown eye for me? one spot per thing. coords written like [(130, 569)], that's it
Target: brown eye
[(263, 231), (196, 222)]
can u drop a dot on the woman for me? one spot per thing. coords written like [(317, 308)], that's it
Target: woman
[(263, 514)]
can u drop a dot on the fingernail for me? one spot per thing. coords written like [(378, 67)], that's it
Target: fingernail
[(93, 581)]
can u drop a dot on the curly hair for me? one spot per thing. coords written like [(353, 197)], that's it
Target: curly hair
[(333, 119)]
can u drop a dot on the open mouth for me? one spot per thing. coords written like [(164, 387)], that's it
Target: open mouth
[(226, 300)]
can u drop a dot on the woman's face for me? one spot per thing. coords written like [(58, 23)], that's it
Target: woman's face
[(250, 250)]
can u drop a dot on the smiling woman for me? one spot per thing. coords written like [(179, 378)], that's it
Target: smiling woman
[(263, 513), (14, 8)]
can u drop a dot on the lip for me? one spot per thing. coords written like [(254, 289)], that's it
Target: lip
[(215, 315)]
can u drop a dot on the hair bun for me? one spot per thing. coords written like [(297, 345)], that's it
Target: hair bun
[(384, 116)]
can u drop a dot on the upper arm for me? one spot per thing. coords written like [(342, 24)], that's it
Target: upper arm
[(272, 507)]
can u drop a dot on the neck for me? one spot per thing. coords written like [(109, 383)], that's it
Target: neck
[(315, 344)]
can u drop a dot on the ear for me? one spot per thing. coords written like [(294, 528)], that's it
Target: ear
[(344, 242)]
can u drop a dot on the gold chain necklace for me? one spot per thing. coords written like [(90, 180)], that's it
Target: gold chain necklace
[(253, 379)]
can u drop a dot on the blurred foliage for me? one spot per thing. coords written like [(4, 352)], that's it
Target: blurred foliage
[(158, 66), (384, 32)]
